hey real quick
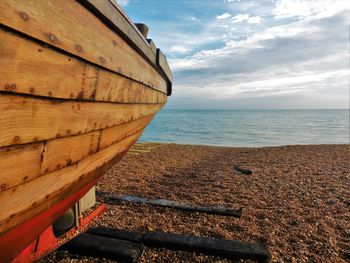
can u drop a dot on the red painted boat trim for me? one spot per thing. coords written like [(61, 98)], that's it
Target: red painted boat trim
[(47, 242), (18, 238)]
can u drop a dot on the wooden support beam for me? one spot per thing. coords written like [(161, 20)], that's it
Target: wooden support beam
[(118, 234), (100, 246), (231, 249), (222, 211), (242, 171)]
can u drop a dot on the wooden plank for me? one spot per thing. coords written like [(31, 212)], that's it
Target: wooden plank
[(87, 201), (19, 164), (65, 151), (121, 22), (127, 18), (232, 249), (214, 210), (27, 200), (152, 45), (25, 119), (40, 158), (163, 64), (116, 233), (70, 27), (242, 171), (112, 135), (30, 68), (100, 246), (119, 89)]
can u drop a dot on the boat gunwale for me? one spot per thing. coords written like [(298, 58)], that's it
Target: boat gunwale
[(120, 12), (64, 52)]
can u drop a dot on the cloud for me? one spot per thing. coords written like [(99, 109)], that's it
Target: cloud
[(179, 49), (311, 9), (254, 20), (299, 58), (285, 52), (122, 2), (223, 16), (246, 17)]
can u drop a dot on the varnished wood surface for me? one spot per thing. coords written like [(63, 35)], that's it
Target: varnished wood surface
[(37, 159), (16, 206), (74, 97), (30, 68), (59, 153), (27, 119), (19, 164), (69, 26), (112, 135), (163, 63), (120, 20)]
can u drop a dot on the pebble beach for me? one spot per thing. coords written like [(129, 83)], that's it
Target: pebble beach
[(296, 201)]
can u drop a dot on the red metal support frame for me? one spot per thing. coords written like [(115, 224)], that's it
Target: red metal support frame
[(47, 242)]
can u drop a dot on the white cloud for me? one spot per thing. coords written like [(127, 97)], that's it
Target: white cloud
[(254, 20), (246, 17), (223, 16), (299, 58), (122, 2), (309, 9), (240, 18), (230, 58), (179, 49)]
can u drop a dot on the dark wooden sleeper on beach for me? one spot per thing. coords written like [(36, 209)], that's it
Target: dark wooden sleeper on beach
[(241, 170), (216, 210), (101, 246), (231, 249)]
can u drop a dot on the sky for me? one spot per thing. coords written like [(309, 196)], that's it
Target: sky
[(250, 54)]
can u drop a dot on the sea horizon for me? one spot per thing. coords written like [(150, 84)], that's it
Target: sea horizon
[(249, 127)]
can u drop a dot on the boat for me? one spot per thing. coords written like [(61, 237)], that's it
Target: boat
[(79, 82)]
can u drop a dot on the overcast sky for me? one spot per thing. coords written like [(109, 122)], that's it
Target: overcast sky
[(234, 54)]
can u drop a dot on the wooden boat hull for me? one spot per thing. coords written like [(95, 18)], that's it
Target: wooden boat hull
[(78, 85)]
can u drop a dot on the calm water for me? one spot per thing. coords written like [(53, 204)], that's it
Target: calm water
[(249, 127)]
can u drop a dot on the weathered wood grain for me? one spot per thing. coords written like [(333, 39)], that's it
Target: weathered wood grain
[(25, 119), (30, 68), (119, 89), (152, 45), (163, 64), (27, 200), (62, 152), (19, 164), (112, 135), (100, 246), (22, 163), (69, 26), (120, 21), (214, 210), (233, 249)]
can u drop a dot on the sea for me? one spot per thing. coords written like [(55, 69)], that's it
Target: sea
[(249, 128)]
